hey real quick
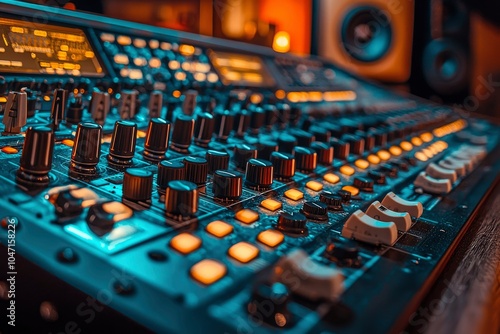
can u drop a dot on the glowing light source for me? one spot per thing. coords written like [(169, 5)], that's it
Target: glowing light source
[(281, 42)]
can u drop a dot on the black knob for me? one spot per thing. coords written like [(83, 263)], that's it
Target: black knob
[(169, 171), (315, 210), (400, 164), (368, 138), (294, 223), (70, 202), (137, 185), (122, 147), (363, 183), (86, 149), (196, 170), (356, 144), (58, 110), (333, 201), (99, 107), (157, 136), (344, 254), (241, 123), (227, 185), (155, 104), (217, 160), (304, 138), (306, 159), (295, 115), (389, 170), (411, 160), (243, 153), (284, 165), (284, 112), (36, 157), (287, 143), (257, 120), (271, 115), (377, 177), (324, 152), (182, 133), (181, 199), (74, 112), (275, 297), (129, 104), (266, 148), (101, 217), (340, 148), (259, 174), (380, 137), (224, 122), (321, 134), (345, 195), (203, 129)]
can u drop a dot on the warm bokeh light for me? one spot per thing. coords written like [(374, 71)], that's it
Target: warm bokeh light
[(281, 42)]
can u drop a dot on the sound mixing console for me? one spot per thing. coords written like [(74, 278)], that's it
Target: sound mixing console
[(237, 189)]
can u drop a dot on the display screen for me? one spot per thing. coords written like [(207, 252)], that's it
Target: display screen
[(237, 69), (27, 47)]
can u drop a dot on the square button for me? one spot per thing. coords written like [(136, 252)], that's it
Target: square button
[(331, 178), (353, 190), (219, 228), (314, 185), (373, 159), (271, 204), (271, 238), (384, 155), (243, 252), (247, 216), (208, 271), (294, 194), (362, 164), (185, 243), (347, 170)]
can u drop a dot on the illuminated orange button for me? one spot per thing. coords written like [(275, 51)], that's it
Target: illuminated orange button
[(362, 164), (331, 178), (426, 137), (247, 216), (416, 141), (373, 159), (353, 190), (271, 204), (314, 185), (243, 252), (141, 134), (347, 170), (421, 156), (384, 155), (428, 153), (395, 150), (9, 150), (271, 238), (185, 243), (208, 271), (294, 194), (406, 145), (68, 142), (219, 228)]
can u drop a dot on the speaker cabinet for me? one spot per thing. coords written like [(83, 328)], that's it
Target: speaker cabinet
[(372, 38)]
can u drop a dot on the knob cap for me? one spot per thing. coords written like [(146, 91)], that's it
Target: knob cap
[(345, 195), (137, 185), (182, 133), (58, 110), (321, 134), (340, 148), (243, 153), (36, 157), (357, 144), (377, 177), (181, 199), (287, 143), (259, 174), (306, 159), (324, 152), (102, 216), (74, 112), (271, 113), (224, 122), (98, 108), (333, 201), (203, 129), (284, 112), (345, 254), (157, 136), (122, 147), (266, 148), (227, 185), (363, 183), (389, 170), (380, 137), (257, 120), (196, 170), (284, 165), (86, 149), (304, 138), (128, 104), (315, 210), (217, 160), (155, 104), (241, 123), (294, 223), (169, 171)]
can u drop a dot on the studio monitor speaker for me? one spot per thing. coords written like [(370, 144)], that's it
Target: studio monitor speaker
[(372, 38)]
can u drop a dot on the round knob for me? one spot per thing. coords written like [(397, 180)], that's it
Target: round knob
[(181, 199), (217, 160), (368, 138), (271, 115), (70, 202), (388, 169), (122, 147), (99, 107), (304, 138), (294, 223), (241, 123), (137, 185), (257, 120), (380, 137), (74, 113), (340, 148), (182, 133), (363, 183), (295, 115), (377, 177), (283, 114), (102, 216), (287, 143), (203, 129), (169, 171), (324, 152), (321, 134), (243, 153), (223, 124), (315, 210), (128, 104), (333, 201), (344, 195), (36, 157), (196, 170), (259, 174), (266, 148), (306, 159), (357, 144), (345, 254), (284, 165), (157, 137), (86, 149), (227, 185)]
